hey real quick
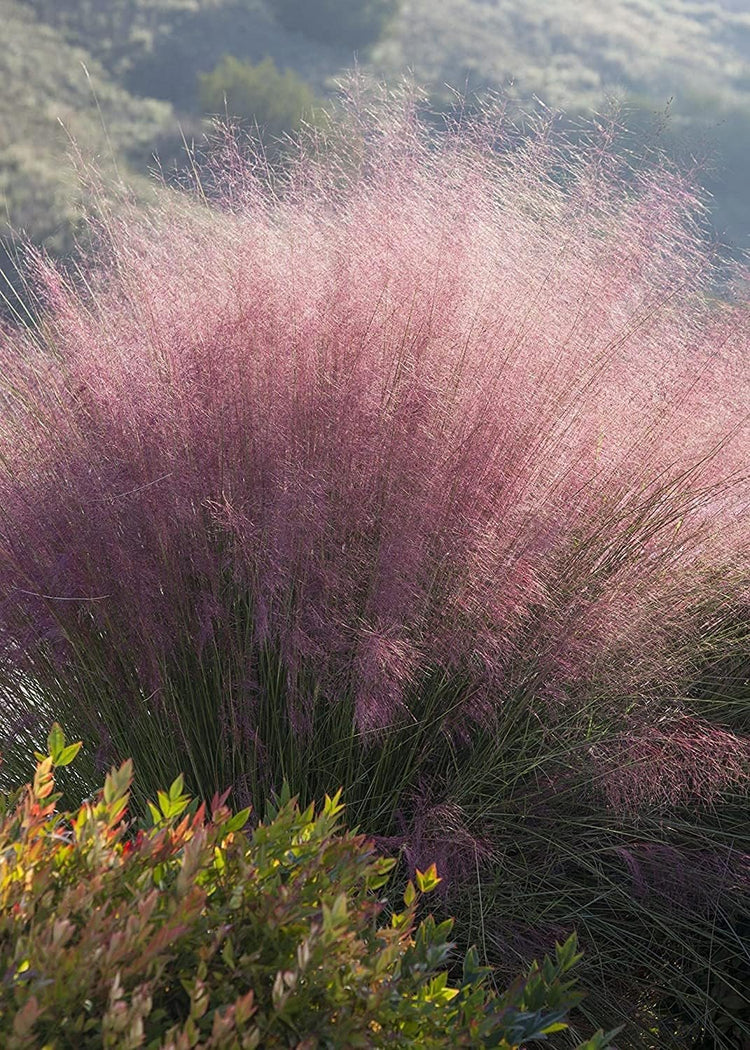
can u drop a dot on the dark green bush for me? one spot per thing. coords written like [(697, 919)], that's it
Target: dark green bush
[(355, 23), (197, 932), (277, 102)]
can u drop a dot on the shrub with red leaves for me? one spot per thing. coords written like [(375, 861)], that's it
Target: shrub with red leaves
[(199, 933)]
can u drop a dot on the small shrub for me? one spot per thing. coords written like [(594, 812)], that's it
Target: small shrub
[(354, 23), (198, 932), (276, 102)]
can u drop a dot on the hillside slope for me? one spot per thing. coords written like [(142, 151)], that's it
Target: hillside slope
[(573, 52), (53, 93), (570, 54)]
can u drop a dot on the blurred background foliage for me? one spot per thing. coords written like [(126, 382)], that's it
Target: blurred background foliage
[(357, 24), (276, 102), (128, 81)]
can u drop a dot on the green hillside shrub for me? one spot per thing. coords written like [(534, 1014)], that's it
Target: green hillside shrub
[(355, 24), (199, 933), (277, 102)]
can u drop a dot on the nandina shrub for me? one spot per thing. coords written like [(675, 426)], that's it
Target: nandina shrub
[(421, 469), (199, 932)]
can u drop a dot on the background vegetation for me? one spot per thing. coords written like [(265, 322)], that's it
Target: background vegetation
[(275, 102), (572, 55), (355, 25)]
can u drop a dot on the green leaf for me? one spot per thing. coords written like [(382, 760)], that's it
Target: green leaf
[(175, 790), (332, 806), (339, 911), (427, 880), (227, 954), (179, 806), (376, 882), (117, 782), (567, 954), (277, 802), (600, 1040), (55, 741), (237, 821), (66, 756)]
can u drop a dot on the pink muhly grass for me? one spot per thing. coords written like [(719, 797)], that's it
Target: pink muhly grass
[(464, 407), (685, 761), (421, 468)]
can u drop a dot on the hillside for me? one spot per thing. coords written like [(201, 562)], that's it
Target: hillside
[(54, 94), (72, 68), (690, 58), (573, 53)]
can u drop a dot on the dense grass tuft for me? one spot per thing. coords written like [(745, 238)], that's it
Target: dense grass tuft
[(423, 472)]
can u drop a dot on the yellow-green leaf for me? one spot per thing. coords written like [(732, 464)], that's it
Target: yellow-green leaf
[(427, 880), (55, 741), (66, 756)]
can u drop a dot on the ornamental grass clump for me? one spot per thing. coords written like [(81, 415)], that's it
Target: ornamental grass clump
[(419, 468)]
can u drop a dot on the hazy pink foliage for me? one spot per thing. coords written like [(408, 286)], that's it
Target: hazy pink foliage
[(697, 881), (672, 765), (441, 834), (468, 406)]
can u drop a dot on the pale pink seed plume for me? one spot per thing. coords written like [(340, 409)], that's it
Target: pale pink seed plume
[(674, 765), (469, 405)]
